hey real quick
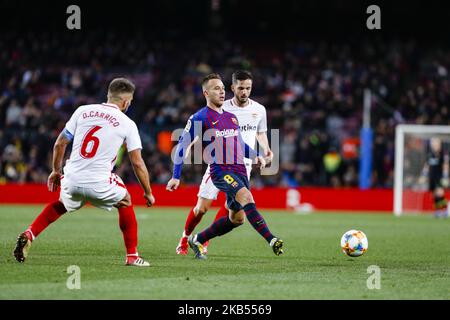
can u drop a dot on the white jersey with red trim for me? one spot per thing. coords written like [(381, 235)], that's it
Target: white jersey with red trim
[(252, 119), (99, 130)]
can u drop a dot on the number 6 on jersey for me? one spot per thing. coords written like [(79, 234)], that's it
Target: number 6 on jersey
[(90, 141)]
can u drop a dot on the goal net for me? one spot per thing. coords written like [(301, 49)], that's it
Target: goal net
[(412, 182)]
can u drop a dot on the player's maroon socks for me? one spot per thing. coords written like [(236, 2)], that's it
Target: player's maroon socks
[(191, 222), (129, 228), (217, 228), (50, 214), (223, 212), (257, 221)]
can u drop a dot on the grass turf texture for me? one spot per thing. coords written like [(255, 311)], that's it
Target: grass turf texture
[(413, 253)]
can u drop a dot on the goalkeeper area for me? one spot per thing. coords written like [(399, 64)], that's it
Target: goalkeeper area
[(422, 160), (412, 254)]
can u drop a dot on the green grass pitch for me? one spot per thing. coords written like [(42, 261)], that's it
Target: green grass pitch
[(412, 252)]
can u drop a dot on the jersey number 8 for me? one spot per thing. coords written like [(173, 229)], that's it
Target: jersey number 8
[(228, 179)]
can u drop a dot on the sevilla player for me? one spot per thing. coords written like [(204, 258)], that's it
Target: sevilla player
[(97, 132)]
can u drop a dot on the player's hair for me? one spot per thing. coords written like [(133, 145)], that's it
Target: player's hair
[(241, 75), (119, 86), (210, 77)]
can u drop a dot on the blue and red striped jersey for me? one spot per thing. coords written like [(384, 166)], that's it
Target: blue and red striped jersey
[(223, 147)]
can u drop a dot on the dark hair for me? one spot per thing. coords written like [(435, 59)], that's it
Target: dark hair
[(210, 77), (241, 75), (119, 86)]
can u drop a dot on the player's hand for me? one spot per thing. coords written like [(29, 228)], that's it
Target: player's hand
[(173, 184), (445, 182), (54, 181), (260, 162), (269, 156), (150, 199)]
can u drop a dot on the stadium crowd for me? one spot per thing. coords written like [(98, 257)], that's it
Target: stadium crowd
[(313, 92)]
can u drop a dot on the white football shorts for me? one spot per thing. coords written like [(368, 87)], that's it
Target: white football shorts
[(207, 188), (101, 195)]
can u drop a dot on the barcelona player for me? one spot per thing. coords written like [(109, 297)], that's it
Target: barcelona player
[(224, 151), (252, 119)]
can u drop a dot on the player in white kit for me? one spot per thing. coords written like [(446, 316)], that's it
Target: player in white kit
[(97, 132), (253, 126)]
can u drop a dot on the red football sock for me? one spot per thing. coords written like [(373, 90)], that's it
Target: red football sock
[(223, 212), (191, 222), (50, 214), (129, 228)]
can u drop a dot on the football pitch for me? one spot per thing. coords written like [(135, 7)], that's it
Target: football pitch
[(411, 252)]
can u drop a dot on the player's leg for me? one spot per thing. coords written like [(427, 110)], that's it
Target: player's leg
[(50, 214), (129, 227), (70, 200), (217, 228), (221, 226), (230, 184), (207, 193), (223, 212), (114, 194), (195, 216), (245, 199), (440, 202)]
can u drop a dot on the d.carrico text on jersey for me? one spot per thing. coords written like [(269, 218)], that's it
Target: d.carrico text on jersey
[(95, 114)]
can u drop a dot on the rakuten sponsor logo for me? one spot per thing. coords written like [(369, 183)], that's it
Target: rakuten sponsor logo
[(227, 133)]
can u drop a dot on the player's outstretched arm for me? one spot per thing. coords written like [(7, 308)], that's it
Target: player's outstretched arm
[(182, 149), (185, 142), (59, 149), (141, 172)]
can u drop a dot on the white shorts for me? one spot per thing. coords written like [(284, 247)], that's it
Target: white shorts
[(102, 195), (207, 188)]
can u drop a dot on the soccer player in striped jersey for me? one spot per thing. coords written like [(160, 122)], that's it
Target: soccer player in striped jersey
[(224, 153), (253, 126)]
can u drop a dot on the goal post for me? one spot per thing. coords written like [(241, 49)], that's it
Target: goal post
[(411, 193)]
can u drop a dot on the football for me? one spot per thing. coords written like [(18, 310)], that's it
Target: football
[(354, 243)]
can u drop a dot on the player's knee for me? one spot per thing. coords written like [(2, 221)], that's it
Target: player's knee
[(238, 218), (245, 197), (125, 202), (238, 221)]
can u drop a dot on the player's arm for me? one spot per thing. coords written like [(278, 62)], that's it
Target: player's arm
[(134, 146), (264, 142), (141, 172), (185, 142), (261, 136), (249, 153), (59, 149)]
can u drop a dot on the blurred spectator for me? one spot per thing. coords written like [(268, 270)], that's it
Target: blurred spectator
[(14, 116), (313, 92)]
